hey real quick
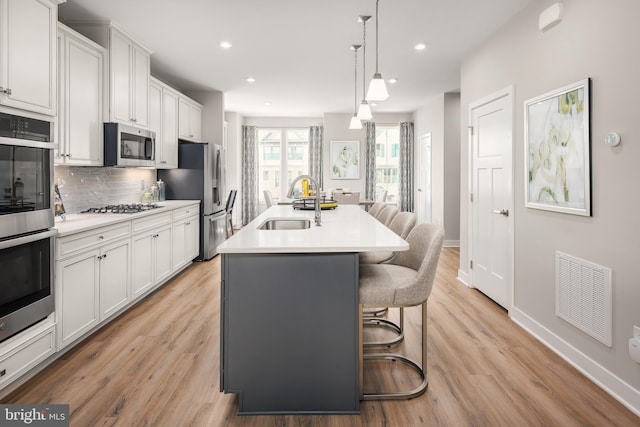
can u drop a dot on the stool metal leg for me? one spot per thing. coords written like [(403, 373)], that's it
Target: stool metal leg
[(398, 328)]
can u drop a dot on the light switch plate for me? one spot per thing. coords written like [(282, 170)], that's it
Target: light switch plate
[(636, 332)]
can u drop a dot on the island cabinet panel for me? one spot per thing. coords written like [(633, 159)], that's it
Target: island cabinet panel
[(290, 332)]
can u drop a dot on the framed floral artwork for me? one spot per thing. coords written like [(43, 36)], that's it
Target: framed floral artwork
[(557, 148), (344, 157)]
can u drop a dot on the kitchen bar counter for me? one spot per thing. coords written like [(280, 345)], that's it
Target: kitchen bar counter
[(289, 304), (77, 223), (346, 228)]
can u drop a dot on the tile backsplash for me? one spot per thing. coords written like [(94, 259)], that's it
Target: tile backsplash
[(84, 187)]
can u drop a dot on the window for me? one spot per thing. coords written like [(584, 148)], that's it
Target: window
[(283, 156), (388, 141)]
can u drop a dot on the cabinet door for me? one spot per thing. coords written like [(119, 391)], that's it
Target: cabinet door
[(140, 76), (28, 56), (183, 118), (83, 100), (77, 296), (192, 238), (114, 278), (195, 122), (142, 277), (155, 116), (162, 249), (169, 146), (179, 244), (121, 82)]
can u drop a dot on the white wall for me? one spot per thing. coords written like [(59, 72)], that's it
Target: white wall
[(599, 40), (233, 151)]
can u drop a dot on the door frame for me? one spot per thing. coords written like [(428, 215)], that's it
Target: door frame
[(507, 92), (421, 139)]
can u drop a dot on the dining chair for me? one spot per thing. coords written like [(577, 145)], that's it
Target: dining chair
[(381, 196), (387, 213), (268, 198), (347, 198), (376, 208), (406, 281)]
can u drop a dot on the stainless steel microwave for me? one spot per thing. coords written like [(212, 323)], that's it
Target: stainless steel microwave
[(127, 146)]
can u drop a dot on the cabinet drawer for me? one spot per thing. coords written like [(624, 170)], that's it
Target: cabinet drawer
[(185, 212), (90, 239), (26, 356), (151, 221)]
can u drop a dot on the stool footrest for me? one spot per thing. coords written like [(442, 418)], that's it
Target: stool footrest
[(410, 394)]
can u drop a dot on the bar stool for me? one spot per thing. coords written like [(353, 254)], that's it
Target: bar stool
[(386, 214), (404, 282), (376, 208), (229, 211)]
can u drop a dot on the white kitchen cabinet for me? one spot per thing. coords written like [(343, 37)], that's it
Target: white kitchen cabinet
[(77, 294), (186, 233), (92, 279), (190, 119), (28, 55), (163, 120), (129, 72), (151, 252), (26, 350), (81, 74)]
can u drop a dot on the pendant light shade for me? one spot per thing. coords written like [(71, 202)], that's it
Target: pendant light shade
[(364, 111), (355, 121), (377, 88)]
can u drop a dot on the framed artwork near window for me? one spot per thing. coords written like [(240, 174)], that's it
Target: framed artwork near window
[(344, 158), (557, 157)]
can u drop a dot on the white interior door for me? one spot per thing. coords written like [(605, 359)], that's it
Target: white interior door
[(492, 197), (424, 179)]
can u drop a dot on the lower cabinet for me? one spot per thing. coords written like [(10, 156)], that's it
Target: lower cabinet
[(26, 351), (186, 233), (152, 263), (91, 286)]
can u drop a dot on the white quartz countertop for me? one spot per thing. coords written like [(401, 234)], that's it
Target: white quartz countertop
[(77, 223), (348, 228)]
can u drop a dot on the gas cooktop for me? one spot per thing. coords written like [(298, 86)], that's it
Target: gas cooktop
[(124, 208)]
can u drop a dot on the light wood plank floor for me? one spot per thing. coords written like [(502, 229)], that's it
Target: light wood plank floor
[(158, 365)]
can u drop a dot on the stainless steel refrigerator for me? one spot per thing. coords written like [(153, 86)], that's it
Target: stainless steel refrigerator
[(199, 177)]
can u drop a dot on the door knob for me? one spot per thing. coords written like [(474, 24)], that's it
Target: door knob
[(504, 212)]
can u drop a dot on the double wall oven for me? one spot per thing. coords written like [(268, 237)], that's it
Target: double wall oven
[(26, 222)]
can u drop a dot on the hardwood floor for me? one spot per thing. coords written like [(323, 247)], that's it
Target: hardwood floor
[(158, 365)]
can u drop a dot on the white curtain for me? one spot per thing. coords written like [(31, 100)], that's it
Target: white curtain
[(315, 153), (405, 169), (370, 161), (249, 186)]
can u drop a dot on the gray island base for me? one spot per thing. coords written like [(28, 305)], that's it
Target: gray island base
[(289, 330)]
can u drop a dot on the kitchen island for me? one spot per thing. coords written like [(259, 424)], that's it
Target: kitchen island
[(289, 323)]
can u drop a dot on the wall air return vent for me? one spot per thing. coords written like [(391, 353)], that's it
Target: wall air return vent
[(583, 296)]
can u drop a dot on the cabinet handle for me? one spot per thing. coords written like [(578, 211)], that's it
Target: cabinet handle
[(104, 256), (163, 161), (100, 237), (5, 91), (3, 373), (133, 120), (187, 223), (190, 136), (99, 256)]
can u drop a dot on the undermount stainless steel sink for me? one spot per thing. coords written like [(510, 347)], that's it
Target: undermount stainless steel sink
[(285, 224)]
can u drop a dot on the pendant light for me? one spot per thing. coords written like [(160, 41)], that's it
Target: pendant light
[(377, 88), (355, 121), (364, 111)]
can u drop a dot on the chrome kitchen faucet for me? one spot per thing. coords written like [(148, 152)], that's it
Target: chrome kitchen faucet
[(313, 181)]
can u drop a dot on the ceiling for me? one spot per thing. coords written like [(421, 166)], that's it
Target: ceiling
[(299, 50)]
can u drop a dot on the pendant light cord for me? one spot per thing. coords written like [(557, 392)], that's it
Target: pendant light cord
[(364, 58), (355, 98), (377, 20)]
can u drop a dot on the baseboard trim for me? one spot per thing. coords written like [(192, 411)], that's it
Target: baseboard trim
[(464, 278), (451, 243), (603, 378)]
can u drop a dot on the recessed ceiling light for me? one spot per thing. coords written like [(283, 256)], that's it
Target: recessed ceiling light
[(268, 104), (251, 80), (420, 46), (225, 45), (393, 80), (373, 104)]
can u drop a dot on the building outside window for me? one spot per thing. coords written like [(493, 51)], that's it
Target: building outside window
[(387, 160), (283, 155)]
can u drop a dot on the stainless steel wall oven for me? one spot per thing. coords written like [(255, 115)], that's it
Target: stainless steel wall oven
[(26, 221)]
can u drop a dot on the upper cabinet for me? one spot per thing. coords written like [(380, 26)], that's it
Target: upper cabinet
[(81, 70), (163, 120), (129, 72), (190, 115), (28, 55)]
